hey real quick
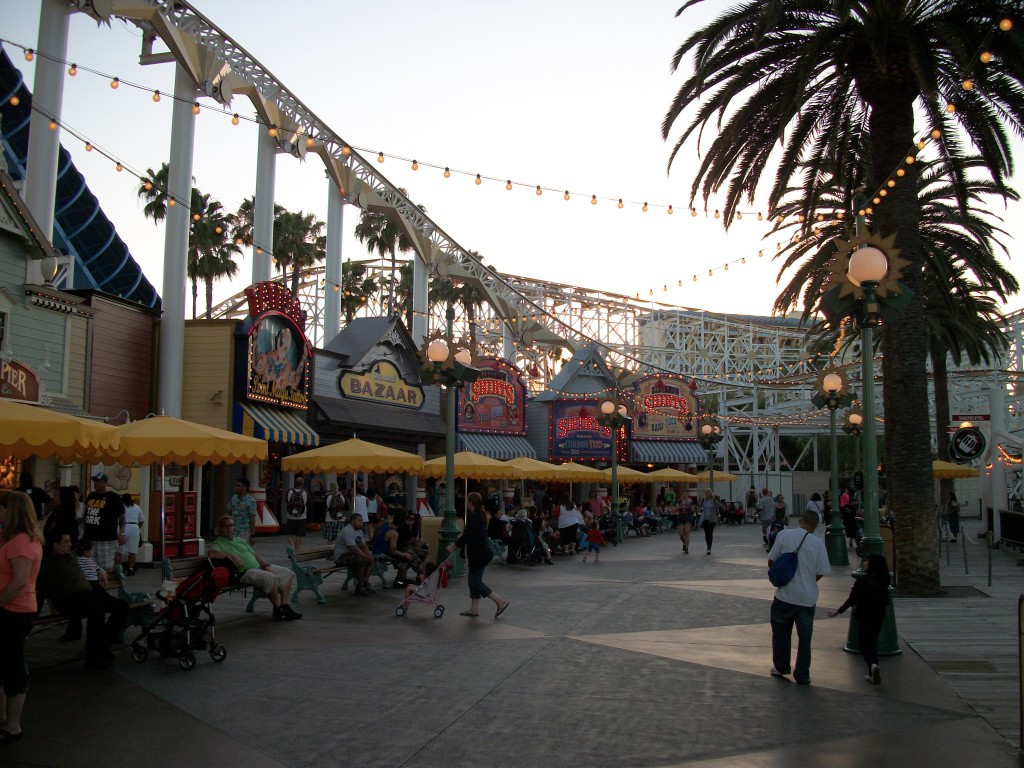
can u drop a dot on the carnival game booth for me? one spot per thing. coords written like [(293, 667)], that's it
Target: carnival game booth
[(367, 383)]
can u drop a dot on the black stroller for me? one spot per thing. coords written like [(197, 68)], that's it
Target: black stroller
[(186, 624), (523, 545)]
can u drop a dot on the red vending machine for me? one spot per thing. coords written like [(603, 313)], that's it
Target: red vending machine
[(172, 524), (189, 524)]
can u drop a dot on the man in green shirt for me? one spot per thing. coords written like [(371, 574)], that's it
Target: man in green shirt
[(275, 581)]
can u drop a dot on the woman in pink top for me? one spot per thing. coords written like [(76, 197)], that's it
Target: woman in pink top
[(21, 552)]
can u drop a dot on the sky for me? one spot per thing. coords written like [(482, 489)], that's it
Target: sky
[(567, 95)]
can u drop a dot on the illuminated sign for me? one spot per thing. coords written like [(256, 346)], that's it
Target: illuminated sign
[(382, 383), (18, 382), (576, 432), (279, 353), (496, 402), (666, 408), (966, 445)]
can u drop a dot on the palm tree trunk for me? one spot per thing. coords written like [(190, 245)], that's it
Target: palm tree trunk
[(209, 296), (940, 376), (295, 280), (910, 491), (195, 296)]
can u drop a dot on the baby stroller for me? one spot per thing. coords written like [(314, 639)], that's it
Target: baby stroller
[(773, 531), (523, 546), (608, 528), (186, 624), (429, 591)]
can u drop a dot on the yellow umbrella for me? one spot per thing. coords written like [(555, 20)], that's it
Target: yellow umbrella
[(353, 455), (166, 440), (28, 430), (532, 469), (628, 475), (945, 470), (572, 472), (669, 475), (472, 465), (705, 476)]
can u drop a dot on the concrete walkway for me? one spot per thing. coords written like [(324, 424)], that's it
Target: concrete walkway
[(651, 658)]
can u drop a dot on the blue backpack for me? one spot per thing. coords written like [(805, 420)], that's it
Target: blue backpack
[(783, 570)]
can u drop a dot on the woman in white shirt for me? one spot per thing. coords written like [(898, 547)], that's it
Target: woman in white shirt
[(133, 520), (569, 520)]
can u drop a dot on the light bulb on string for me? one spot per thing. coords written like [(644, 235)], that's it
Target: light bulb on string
[(478, 180), (196, 108), (234, 119), (900, 172), (147, 184), (15, 101), (936, 133), (118, 167), (644, 209), (739, 215), (447, 173), (670, 211), (196, 217), (29, 54), (539, 190), (415, 166), (115, 83), (272, 131), (985, 57), (967, 84), (73, 70), (593, 199), (759, 216), (346, 150), (1006, 25), (380, 157), (717, 214), (508, 184), (620, 202), (88, 146), (156, 96), (310, 141), (566, 195), (171, 202)]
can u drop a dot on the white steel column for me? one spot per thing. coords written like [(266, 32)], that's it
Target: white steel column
[(997, 424), (263, 206), (332, 264), (508, 344), (419, 300), (47, 96), (179, 187)]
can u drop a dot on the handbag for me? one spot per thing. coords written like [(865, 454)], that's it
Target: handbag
[(783, 570)]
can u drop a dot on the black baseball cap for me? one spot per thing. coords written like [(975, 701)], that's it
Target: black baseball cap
[(100, 477)]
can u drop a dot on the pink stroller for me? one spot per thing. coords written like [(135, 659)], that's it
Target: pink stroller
[(429, 591)]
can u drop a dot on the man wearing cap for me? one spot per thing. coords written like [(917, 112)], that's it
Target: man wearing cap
[(104, 521)]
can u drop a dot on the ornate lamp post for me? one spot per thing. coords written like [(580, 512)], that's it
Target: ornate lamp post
[(868, 267), (709, 433), (852, 426), (833, 393), (615, 415), (449, 365)]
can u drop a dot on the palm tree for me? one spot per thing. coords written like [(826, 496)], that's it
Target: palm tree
[(404, 292), (299, 243), (211, 252), (806, 79), (381, 233), (356, 288), (242, 232)]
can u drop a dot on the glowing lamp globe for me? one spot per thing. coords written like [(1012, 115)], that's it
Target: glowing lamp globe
[(856, 419), (832, 383), (622, 411), (437, 351), (464, 356), (607, 407), (867, 264), (706, 429)]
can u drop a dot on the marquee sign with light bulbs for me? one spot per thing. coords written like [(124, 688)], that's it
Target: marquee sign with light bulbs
[(280, 355), (496, 402), (666, 408), (576, 432)]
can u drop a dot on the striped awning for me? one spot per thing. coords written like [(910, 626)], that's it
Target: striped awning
[(275, 425), (501, 447), (667, 452)]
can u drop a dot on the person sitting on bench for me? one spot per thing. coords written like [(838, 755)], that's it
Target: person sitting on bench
[(385, 542), (62, 582), (275, 581), (350, 551)]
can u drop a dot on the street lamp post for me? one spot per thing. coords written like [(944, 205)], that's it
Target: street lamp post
[(710, 433), (451, 367), (868, 267), (833, 393), (615, 415)]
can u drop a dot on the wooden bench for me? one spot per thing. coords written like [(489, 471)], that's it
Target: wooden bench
[(186, 567), (311, 576)]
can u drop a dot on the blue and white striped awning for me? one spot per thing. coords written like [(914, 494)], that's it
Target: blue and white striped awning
[(667, 452), (501, 447), (276, 425)]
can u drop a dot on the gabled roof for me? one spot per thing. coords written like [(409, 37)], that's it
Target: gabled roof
[(586, 373), (14, 213), (360, 336)]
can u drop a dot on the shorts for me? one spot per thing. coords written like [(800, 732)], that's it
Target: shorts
[(331, 529), (596, 548), (132, 539), (295, 527), (277, 576), (103, 553)]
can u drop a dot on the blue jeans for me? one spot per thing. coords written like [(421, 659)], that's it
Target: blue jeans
[(477, 588), (783, 617)]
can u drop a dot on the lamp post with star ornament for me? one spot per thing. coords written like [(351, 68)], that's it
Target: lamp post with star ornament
[(449, 364), (615, 415), (865, 283), (834, 392), (709, 432)]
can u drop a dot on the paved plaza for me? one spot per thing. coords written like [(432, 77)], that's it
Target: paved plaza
[(651, 658)]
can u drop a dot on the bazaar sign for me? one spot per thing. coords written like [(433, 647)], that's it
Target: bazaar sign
[(382, 384)]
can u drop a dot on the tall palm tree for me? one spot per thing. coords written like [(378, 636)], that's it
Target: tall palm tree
[(380, 232), (404, 292), (356, 288), (787, 81), (242, 232), (299, 243), (210, 252)]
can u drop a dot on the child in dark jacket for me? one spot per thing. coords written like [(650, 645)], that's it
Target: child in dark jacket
[(869, 598), (594, 541)]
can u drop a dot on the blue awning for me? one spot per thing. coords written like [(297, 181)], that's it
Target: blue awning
[(667, 452), (501, 447), (275, 425)]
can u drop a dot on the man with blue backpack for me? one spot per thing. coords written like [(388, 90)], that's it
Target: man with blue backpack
[(796, 595)]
